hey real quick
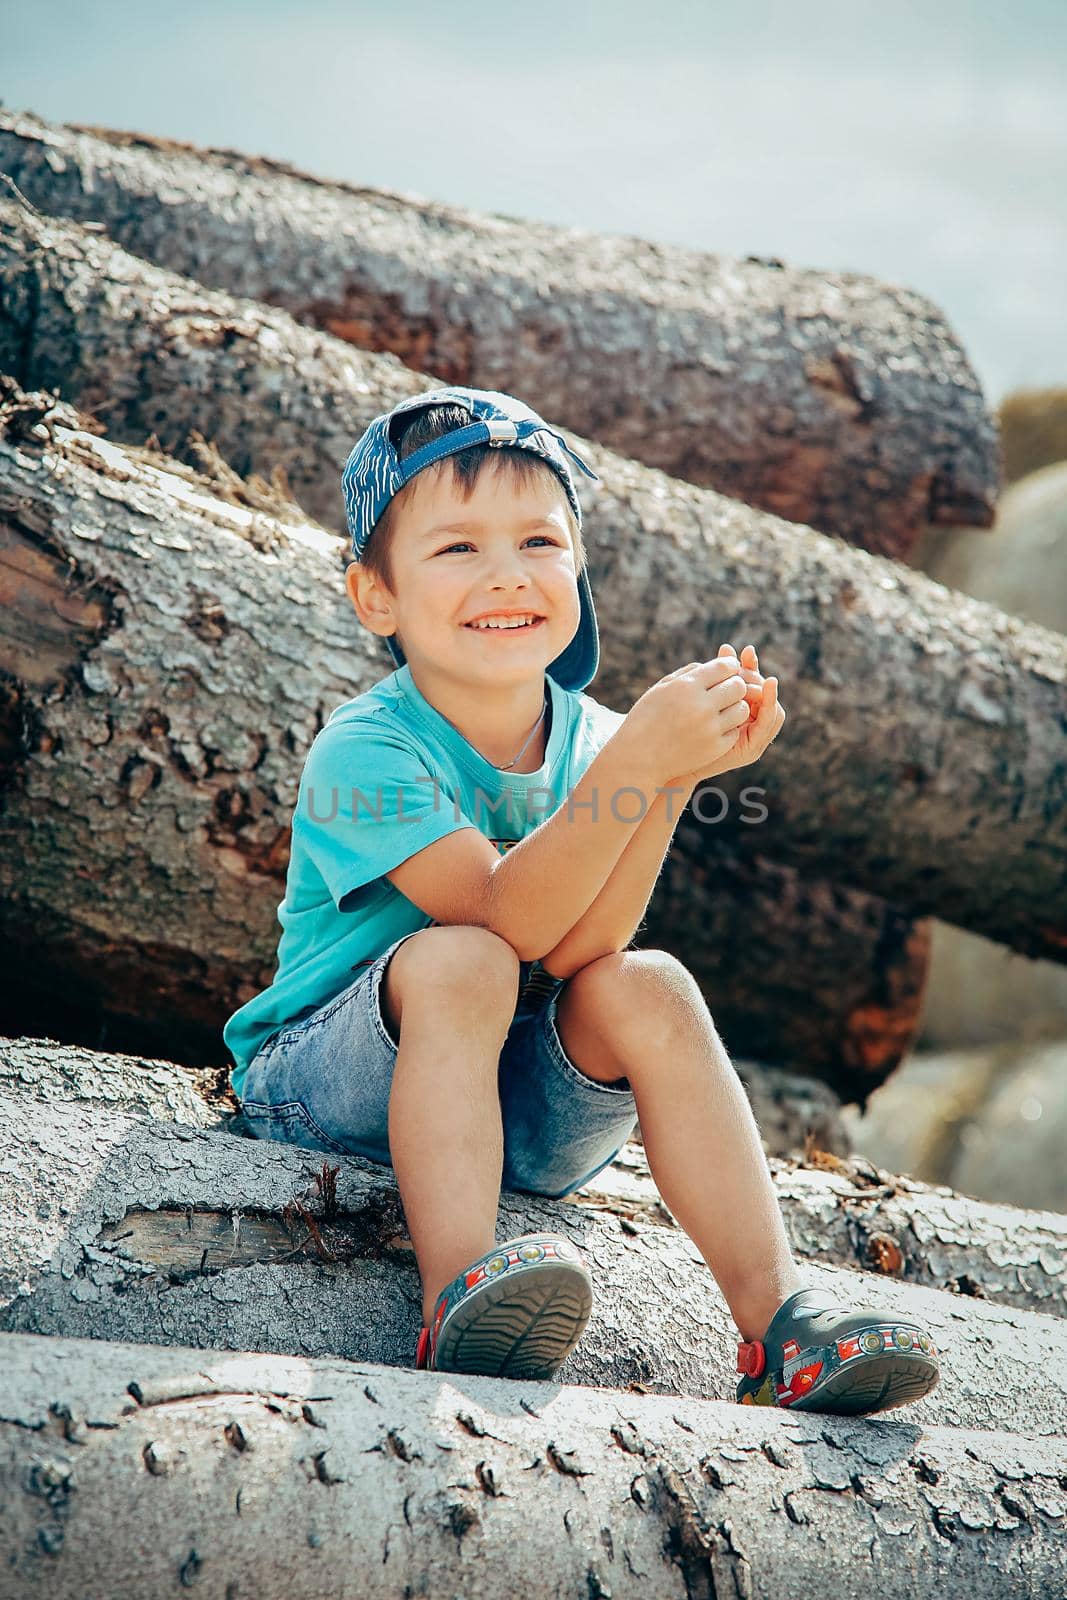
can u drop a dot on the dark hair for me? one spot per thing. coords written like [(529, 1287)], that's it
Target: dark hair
[(411, 430)]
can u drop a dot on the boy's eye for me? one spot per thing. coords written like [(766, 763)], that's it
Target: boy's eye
[(460, 544)]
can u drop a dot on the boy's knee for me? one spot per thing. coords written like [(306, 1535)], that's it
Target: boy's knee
[(638, 993), (464, 960), (643, 976)]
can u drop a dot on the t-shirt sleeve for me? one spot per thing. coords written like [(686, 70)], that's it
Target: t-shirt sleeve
[(605, 723), (367, 800), (597, 724)]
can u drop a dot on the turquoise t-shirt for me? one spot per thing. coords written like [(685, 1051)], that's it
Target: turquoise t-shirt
[(386, 776)]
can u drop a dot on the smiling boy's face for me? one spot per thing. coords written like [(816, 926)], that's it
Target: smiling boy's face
[(506, 549)]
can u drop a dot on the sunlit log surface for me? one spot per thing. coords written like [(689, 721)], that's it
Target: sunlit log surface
[(141, 1471), (113, 1226), (838, 1210)]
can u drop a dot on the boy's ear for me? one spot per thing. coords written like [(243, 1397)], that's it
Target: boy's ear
[(369, 600)]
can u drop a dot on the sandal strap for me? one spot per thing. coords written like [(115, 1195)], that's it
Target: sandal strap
[(422, 1349), (751, 1358)]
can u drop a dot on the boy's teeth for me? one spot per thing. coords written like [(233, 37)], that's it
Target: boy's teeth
[(516, 622)]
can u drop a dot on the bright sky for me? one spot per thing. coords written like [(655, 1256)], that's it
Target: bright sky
[(926, 145)]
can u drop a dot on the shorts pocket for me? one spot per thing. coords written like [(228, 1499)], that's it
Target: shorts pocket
[(289, 1122)]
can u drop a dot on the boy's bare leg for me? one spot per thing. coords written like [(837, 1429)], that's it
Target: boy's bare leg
[(702, 1143), (446, 1137), (710, 1168)]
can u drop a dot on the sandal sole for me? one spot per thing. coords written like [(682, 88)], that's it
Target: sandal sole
[(871, 1384), (523, 1325)]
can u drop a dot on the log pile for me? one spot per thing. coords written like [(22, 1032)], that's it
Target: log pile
[(128, 1269), (197, 1327), (828, 398)]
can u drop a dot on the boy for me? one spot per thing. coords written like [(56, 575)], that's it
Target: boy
[(454, 995)]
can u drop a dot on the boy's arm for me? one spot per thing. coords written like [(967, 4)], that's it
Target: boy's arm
[(462, 879), (611, 921), (534, 896)]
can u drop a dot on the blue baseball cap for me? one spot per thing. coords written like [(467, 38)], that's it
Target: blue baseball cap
[(373, 474)]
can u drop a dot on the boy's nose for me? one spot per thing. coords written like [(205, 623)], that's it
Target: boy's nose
[(508, 575)]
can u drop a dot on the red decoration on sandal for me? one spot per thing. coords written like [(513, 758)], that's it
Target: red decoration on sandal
[(751, 1358), (422, 1349)]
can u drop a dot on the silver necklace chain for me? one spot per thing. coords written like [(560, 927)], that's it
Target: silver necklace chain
[(529, 736), (508, 764)]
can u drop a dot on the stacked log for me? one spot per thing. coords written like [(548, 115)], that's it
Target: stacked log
[(839, 1212), (143, 1471), (827, 398), (136, 1470), (194, 1325), (115, 1225)]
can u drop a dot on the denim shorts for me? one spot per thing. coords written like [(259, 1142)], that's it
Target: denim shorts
[(323, 1081)]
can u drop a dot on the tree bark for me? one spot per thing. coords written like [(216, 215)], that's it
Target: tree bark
[(138, 1471), (156, 355), (840, 1211), (164, 1091), (827, 398), (170, 657), (792, 1109), (117, 1227), (955, 806)]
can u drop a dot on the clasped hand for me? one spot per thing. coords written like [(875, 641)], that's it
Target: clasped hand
[(765, 720)]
